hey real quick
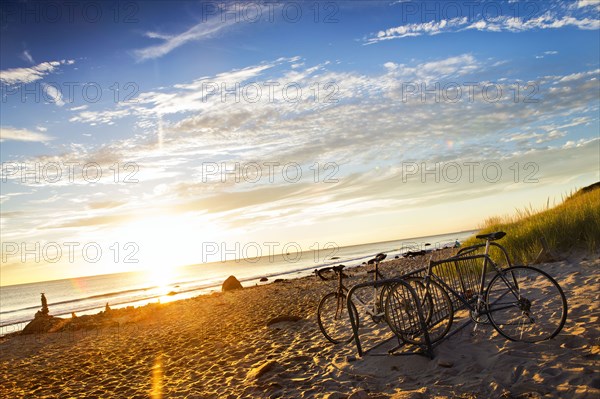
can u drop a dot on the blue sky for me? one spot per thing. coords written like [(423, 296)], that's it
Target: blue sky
[(511, 88)]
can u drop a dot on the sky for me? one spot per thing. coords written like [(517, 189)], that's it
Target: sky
[(143, 135)]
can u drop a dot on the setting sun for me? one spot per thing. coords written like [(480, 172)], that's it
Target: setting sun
[(166, 242)]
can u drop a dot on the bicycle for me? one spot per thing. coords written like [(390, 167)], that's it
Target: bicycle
[(332, 312), (522, 303)]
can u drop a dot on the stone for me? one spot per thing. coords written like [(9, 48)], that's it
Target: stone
[(42, 323), (263, 279), (231, 284), (445, 363), (44, 310), (259, 371)]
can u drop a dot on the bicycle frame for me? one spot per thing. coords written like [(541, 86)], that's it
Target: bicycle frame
[(370, 308), (481, 291)]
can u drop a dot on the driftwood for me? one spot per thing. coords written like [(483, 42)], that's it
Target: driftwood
[(546, 254)]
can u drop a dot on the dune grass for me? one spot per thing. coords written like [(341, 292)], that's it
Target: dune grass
[(574, 224)]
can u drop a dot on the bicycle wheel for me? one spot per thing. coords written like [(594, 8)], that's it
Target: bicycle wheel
[(413, 281), (526, 304), (385, 290), (427, 305), (333, 318), (402, 316)]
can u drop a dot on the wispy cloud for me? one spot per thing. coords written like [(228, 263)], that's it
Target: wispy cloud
[(11, 133), (27, 57), (54, 94), (458, 66), (545, 53), (195, 125), (418, 29), (16, 76), (503, 23), (588, 3), (201, 31)]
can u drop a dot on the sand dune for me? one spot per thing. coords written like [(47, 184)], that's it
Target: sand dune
[(223, 346)]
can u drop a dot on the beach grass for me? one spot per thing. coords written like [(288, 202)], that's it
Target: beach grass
[(573, 224)]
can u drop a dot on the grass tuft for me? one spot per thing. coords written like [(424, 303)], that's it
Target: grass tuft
[(573, 224)]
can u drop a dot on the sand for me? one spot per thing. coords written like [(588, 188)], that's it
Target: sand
[(223, 346)]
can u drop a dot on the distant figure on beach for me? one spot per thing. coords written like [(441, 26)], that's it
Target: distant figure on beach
[(456, 244), (107, 308), (44, 305)]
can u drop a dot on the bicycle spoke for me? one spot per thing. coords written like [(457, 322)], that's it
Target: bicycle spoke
[(538, 310), (333, 318), (403, 318)]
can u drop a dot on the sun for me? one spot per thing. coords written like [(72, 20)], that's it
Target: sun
[(166, 242)]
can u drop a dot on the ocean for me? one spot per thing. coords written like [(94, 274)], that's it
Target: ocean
[(88, 295)]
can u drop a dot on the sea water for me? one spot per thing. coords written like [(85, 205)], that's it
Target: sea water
[(88, 295)]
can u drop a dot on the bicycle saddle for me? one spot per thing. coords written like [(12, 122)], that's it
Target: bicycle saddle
[(379, 257), (338, 268), (491, 236)]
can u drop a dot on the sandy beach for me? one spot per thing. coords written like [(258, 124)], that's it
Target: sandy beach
[(238, 345)]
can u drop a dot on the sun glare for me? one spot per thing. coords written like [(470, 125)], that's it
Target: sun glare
[(166, 242)]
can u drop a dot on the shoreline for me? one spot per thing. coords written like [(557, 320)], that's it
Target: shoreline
[(176, 293), (204, 291)]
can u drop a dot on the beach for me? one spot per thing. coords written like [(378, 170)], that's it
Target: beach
[(264, 342)]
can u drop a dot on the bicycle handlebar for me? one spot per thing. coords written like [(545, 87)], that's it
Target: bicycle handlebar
[(336, 269), (322, 270)]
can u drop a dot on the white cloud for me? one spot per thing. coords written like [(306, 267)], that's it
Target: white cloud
[(54, 94), (455, 66), (589, 3), (200, 31), (370, 126), (27, 57), (104, 117), (545, 53), (11, 133), (502, 23), (418, 29), (15, 76), (461, 65), (181, 98), (580, 75), (545, 21), (194, 125)]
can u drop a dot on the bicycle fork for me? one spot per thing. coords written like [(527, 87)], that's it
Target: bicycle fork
[(479, 304), (377, 314)]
